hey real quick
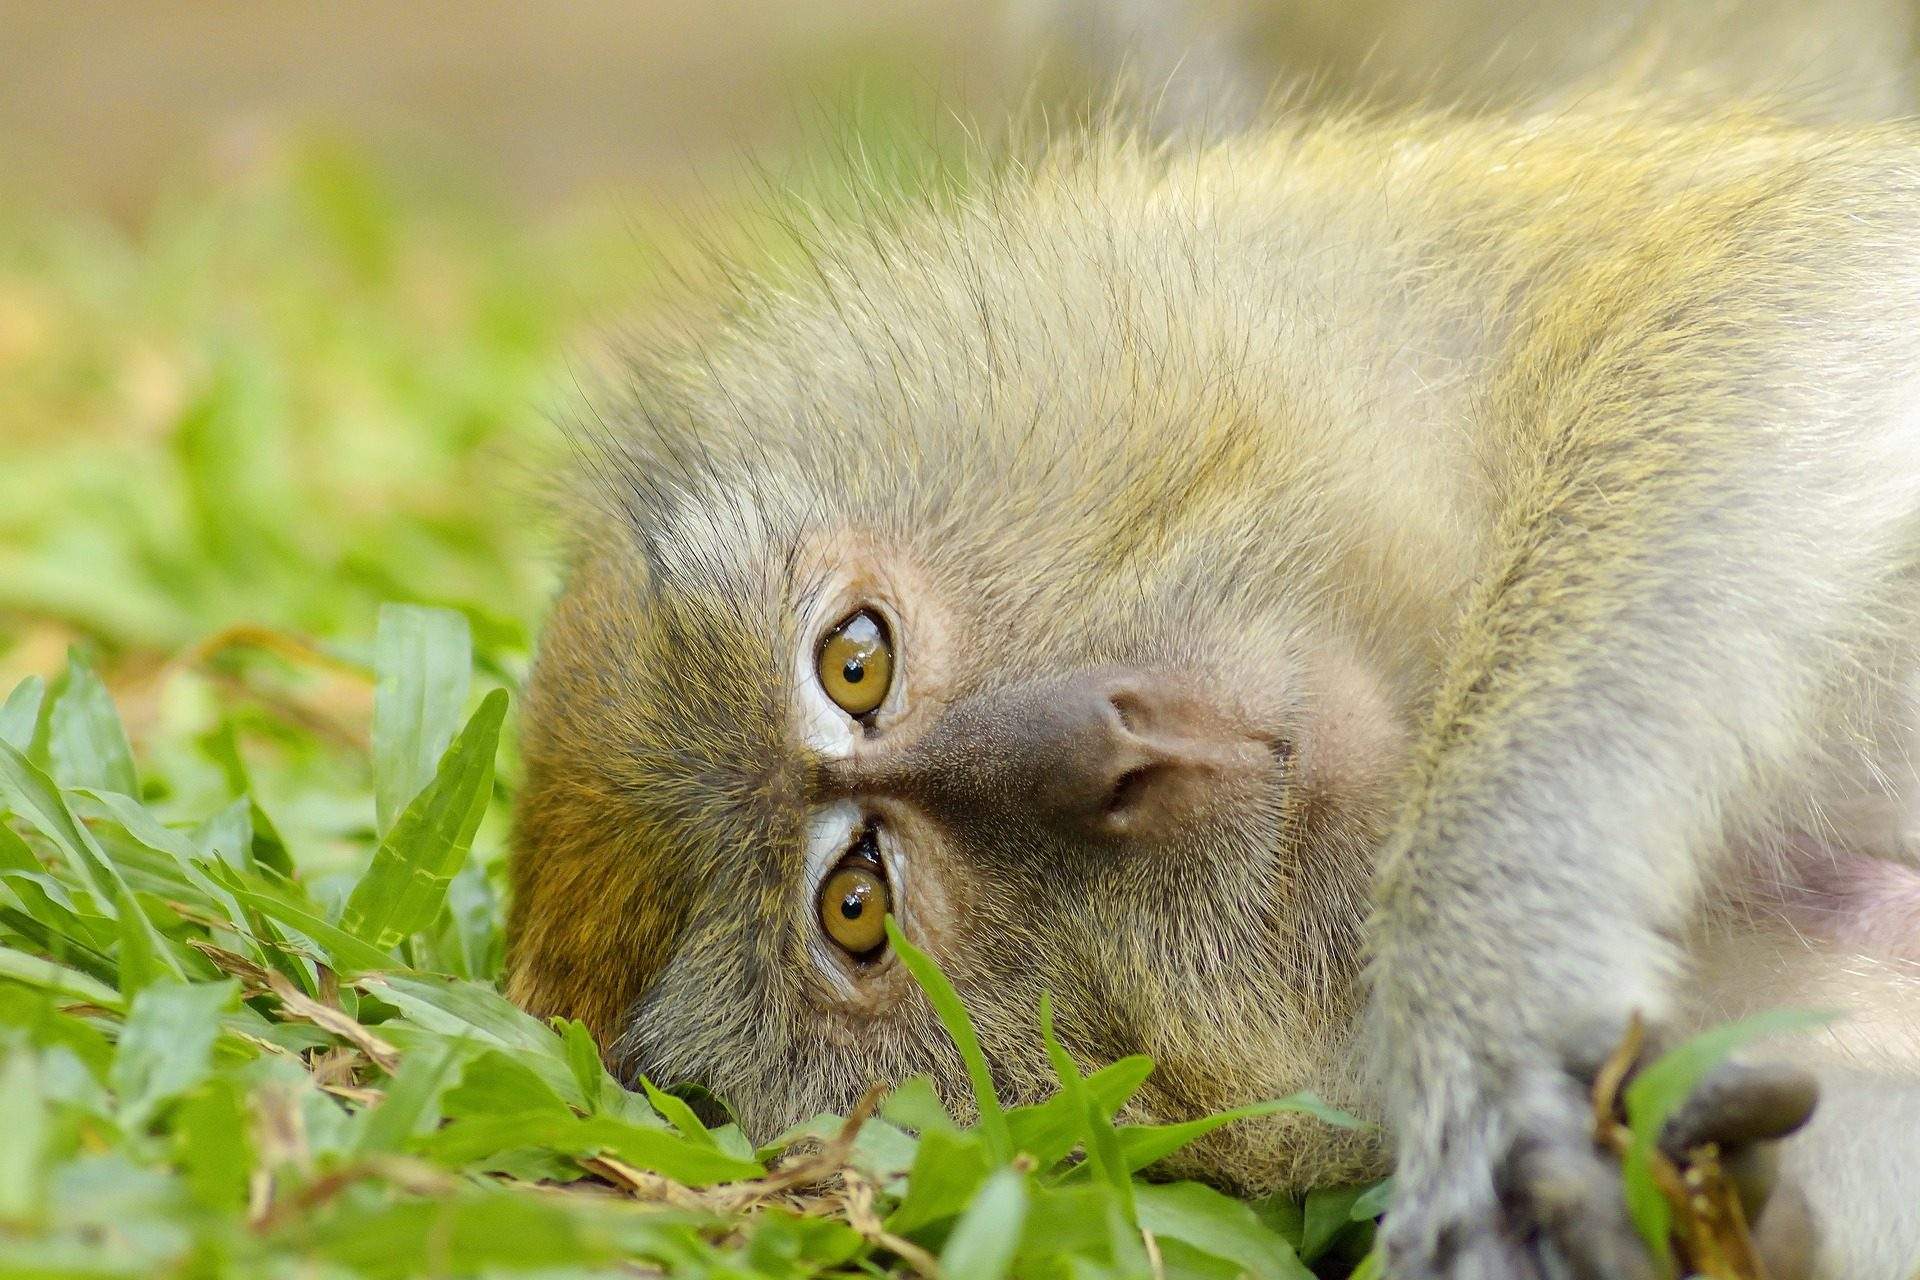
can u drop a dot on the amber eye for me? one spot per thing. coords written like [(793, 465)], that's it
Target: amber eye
[(853, 908), (856, 663)]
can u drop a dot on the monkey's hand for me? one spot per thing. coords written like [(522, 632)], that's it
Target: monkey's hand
[(1524, 1187)]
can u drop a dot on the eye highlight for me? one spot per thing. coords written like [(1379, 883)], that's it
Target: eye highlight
[(855, 663), (854, 902)]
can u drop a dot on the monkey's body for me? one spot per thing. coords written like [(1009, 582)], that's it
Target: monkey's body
[(1542, 493)]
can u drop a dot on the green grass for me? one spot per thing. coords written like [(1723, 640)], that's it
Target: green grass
[(252, 814)]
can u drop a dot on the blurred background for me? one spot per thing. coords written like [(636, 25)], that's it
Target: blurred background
[(291, 296), (105, 106)]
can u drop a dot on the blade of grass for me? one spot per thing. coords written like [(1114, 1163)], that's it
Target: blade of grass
[(46, 975), (25, 1118), (987, 1236), (402, 890), (1096, 1126), (38, 800), (86, 740), (20, 713), (953, 1016), (1656, 1092), (1141, 1145), (423, 663)]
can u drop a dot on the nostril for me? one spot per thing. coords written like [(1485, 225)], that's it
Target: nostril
[(1126, 707), (1129, 790)]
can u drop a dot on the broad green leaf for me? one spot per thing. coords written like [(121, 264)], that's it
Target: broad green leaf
[(140, 825), (402, 891), (1141, 1145), (1371, 1267), (409, 1100), (880, 1150), (471, 1233), (1048, 1130), (226, 837), (342, 951), (14, 854), (1328, 1212), (457, 1008), (1079, 1225), (139, 953), (947, 1171), (471, 1139), (63, 939), (453, 1008), (212, 1142), (20, 713), (495, 1083), (987, 1237), (423, 660), (475, 913), (86, 740), (166, 1047), (1285, 1214), (678, 1114), (783, 1244), (913, 1104), (1182, 1260), (24, 1120), (38, 800), (1658, 1091), (1374, 1201), (953, 1016), (1218, 1225), (583, 1057)]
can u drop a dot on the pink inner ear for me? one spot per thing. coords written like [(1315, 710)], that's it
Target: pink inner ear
[(1860, 903)]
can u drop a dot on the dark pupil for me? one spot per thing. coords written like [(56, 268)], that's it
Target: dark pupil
[(851, 906), (854, 672)]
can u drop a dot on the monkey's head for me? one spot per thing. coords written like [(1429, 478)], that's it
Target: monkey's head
[(968, 580)]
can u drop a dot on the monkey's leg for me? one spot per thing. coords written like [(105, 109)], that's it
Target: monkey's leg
[(1695, 538)]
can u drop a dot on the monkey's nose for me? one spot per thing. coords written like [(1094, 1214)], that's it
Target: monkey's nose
[(1103, 755), (1167, 758)]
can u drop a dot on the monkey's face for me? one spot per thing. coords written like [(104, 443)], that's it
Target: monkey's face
[(1067, 702)]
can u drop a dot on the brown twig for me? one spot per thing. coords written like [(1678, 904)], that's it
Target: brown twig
[(296, 1003), (252, 635), (1709, 1232)]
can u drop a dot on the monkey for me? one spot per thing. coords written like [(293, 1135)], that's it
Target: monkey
[(1372, 603)]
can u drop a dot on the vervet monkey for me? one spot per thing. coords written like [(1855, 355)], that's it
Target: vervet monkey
[(1369, 604)]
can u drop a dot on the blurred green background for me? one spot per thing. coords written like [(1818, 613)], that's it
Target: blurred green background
[(292, 296)]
